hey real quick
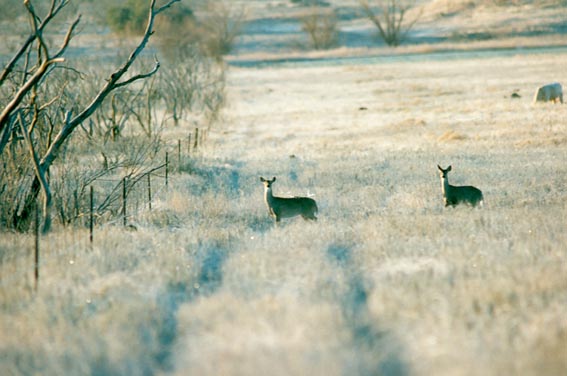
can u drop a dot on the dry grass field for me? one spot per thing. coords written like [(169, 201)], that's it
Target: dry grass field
[(387, 282)]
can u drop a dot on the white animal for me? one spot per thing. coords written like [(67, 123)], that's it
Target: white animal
[(549, 93), (283, 207)]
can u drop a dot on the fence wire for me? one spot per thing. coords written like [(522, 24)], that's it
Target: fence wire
[(48, 253)]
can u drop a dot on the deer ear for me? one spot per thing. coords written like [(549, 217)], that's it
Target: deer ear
[(439, 167), (262, 179), (449, 168), (273, 179)]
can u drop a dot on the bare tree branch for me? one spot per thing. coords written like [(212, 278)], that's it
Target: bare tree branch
[(372, 17), (55, 8), (40, 175), (38, 74), (163, 7), (32, 78), (139, 76), (111, 84)]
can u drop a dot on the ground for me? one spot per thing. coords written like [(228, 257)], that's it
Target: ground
[(388, 281)]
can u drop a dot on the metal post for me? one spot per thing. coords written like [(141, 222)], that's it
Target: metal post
[(149, 192), (179, 154), (36, 255), (91, 217), (124, 200), (166, 167)]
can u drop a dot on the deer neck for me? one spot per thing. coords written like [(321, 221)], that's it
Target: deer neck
[(445, 187), (268, 195)]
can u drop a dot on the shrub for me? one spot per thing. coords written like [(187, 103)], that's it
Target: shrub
[(129, 17), (321, 27), (390, 18), (219, 26)]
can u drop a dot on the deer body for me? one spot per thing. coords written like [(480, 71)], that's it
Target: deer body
[(283, 207), (455, 195)]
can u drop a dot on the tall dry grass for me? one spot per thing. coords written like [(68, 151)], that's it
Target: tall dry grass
[(387, 281)]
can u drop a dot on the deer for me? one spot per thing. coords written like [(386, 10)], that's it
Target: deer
[(454, 195), (287, 207)]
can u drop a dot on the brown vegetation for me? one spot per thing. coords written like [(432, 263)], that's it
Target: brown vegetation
[(391, 19), (46, 105), (387, 281)]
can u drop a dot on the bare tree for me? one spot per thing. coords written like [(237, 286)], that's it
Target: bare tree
[(193, 87), (36, 74), (221, 23), (321, 27), (390, 17)]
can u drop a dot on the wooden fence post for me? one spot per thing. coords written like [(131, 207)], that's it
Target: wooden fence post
[(124, 201), (179, 154), (166, 167), (196, 141), (36, 253), (149, 192), (91, 217)]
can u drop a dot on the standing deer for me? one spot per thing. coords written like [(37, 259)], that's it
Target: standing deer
[(453, 195), (283, 207)]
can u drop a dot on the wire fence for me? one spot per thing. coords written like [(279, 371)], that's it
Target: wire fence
[(124, 198)]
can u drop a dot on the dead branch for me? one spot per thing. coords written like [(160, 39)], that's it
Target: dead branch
[(111, 84), (45, 60), (40, 175), (54, 9), (39, 73)]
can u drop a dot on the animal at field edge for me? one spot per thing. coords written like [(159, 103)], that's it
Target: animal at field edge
[(287, 207), (455, 195), (549, 93)]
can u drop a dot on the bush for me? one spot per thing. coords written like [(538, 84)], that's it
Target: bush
[(321, 27), (129, 17), (178, 32), (214, 31), (37, 151), (390, 18), (220, 26)]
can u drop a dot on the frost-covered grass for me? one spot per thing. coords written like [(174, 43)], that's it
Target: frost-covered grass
[(388, 281)]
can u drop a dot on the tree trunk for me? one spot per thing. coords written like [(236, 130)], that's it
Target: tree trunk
[(23, 219), (24, 214)]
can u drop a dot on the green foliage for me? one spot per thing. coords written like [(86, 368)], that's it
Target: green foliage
[(177, 31), (214, 31), (177, 16), (128, 17)]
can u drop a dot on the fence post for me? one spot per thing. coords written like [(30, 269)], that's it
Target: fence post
[(166, 168), (179, 154), (189, 144), (91, 216), (149, 192), (124, 200), (36, 253), (196, 141)]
